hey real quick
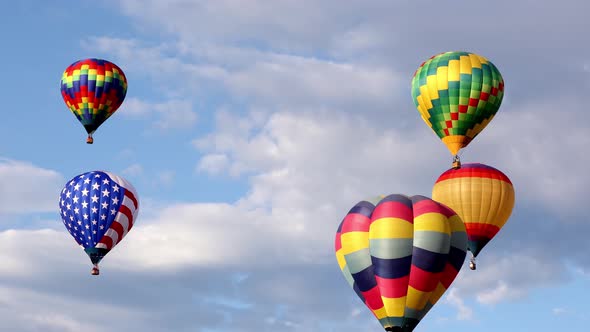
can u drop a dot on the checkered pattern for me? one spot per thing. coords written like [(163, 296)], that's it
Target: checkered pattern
[(457, 94), (93, 89), (400, 256)]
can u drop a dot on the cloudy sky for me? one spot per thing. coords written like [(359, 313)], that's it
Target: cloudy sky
[(251, 127)]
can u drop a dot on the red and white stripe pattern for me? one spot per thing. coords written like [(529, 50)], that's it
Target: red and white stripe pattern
[(125, 217)]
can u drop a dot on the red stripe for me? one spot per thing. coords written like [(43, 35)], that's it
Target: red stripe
[(476, 229), (130, 195), (471, 171), (373, 298), (127, 212), (447, 211), (392, 209), (337, 242), (355, 222), (393, 288), (107, 241), (423, 280), (427, 206), (118, 228), (448, 275)]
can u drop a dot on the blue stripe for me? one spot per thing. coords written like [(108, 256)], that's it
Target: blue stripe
[(392, 268), (399, 199), (365, 279), (428, 260), (363, 208)]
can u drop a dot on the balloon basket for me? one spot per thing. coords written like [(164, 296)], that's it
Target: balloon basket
[(456, 162), (472, 264), (89, 140), (95, 271)]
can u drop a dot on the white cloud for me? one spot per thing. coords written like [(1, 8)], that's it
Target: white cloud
[(558, 311), (540, 145), (26, 188), (172, 114), (27, 311), (263, 77), (133, 170), (165, 178), (213, 163), (499, 293), (464, 312)]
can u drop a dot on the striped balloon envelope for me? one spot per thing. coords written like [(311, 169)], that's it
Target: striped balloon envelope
[(400, 256), (482, 196), (98, 209)]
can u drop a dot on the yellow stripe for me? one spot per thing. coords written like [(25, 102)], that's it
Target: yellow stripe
[(453, 70), (442, 74), (395, 307), (425, 97), (456, 224), (465, 64), (432, 221), (482, 59), (431, 83), (481, 200), (354, 241), (380, 313), (391, 228), (416, 299), (437, 293), (475, 60), (341, 260)]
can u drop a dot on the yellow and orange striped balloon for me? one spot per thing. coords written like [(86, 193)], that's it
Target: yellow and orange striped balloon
[(481, 195)]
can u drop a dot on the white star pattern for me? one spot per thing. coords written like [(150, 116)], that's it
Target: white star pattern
[(80, 214)]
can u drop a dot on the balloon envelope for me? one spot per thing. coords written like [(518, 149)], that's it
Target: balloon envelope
[(98, 209), (93, 89), (457, 95), (400, 256), (481, 195)]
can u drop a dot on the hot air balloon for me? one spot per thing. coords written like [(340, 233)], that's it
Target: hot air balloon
[(482, 196), (400, 256), (98, 209), (93, 89), (457, 95)]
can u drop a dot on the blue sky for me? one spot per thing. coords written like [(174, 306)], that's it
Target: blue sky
[(251, 127)]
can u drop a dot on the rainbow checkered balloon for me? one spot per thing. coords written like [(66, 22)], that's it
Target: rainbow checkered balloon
[(93, 89), (457, 95)]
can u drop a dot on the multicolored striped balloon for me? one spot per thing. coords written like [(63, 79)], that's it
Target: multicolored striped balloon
[(93, 89), (400, 256), (481, 195), (457, 95)]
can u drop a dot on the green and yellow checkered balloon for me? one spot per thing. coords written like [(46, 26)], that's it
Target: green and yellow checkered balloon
[(457, 95)]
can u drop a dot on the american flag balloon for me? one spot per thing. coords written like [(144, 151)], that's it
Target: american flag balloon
[(98, 209)]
